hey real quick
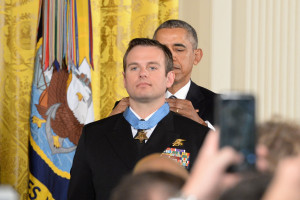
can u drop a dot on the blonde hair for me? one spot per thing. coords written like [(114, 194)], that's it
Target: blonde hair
[(282, 139)]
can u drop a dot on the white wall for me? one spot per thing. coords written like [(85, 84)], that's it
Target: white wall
[(198, 14), (251, 46)]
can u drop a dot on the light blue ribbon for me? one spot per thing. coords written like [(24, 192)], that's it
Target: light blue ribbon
[(153, 121)]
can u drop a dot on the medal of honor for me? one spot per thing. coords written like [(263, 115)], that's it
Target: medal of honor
[(141, 136)]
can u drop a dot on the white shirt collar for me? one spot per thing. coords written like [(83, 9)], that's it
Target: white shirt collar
[(182, 93), (139, 116)]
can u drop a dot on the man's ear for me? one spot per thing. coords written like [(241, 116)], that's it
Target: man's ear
[(198, 56), (170, 78)]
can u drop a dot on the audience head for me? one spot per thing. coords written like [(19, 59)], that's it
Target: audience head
[(151, 185), (276, 140), (158, 162)]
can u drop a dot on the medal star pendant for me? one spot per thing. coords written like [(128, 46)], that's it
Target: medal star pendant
[(141, 136)]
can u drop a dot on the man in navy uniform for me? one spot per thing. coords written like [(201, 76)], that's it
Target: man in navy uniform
[(109, 148)]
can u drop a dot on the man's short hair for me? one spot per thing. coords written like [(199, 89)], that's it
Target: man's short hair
[(151, 43), (175, 23)]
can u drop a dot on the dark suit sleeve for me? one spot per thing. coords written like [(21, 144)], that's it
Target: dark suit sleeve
[(81, 184), (203, 100)]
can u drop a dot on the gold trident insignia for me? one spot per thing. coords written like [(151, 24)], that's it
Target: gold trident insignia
[(178, 142)]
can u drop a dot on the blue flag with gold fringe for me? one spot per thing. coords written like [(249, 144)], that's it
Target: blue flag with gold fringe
[(61, 97)]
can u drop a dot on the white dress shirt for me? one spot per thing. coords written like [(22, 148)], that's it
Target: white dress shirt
[(180, 94)]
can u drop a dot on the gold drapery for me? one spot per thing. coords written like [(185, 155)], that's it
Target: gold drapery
[(115, 23), (18, 22)]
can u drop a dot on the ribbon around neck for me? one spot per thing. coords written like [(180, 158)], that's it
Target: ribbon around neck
[(153, 121)]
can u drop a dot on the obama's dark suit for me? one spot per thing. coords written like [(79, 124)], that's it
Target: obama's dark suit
[(203, 100), (107, 151)]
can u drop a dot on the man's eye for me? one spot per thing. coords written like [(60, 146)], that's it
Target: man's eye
[(133, 68), (152, 68), (179, 50)]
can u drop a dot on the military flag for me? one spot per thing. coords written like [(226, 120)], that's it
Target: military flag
[(61, 98)]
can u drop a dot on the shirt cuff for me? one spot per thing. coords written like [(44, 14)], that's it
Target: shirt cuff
[(210, 126)]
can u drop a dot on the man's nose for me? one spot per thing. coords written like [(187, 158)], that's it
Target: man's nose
[(174, 55), (143, 72)]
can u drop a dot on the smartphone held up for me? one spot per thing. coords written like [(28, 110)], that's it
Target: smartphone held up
[(235, 117)]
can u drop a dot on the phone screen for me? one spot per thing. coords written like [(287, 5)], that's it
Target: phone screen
[(236, 119)]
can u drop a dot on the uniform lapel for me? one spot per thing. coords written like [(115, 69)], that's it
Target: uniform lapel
[(122, 142), (162, 137)]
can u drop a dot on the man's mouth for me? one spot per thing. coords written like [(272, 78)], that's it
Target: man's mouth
[(176, 67), (143, 84)]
